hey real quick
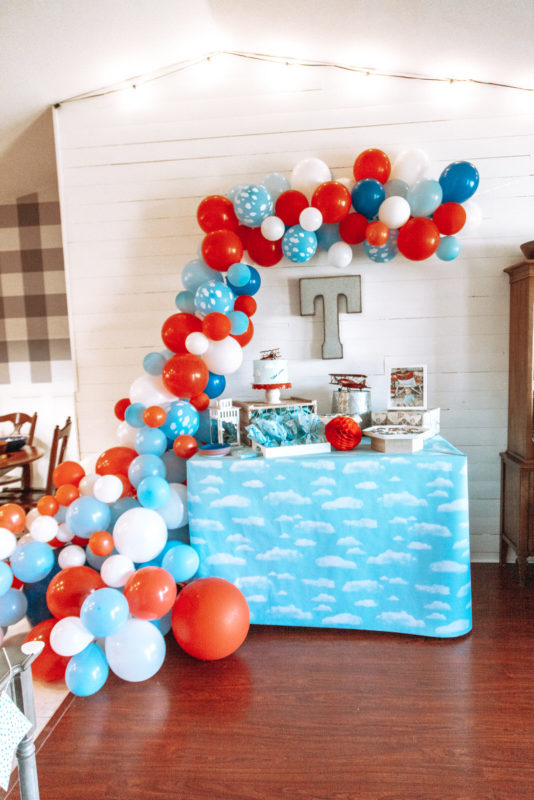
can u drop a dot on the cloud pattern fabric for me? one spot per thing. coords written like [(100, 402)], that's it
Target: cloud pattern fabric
[(347, 540)]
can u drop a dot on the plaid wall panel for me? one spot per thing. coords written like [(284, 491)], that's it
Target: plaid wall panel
[(34, 329)]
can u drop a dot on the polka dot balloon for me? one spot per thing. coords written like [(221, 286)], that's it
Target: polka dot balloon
[(213, 296), (299, 245), (252, 204)]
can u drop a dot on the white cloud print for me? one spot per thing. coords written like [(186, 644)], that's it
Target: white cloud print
[(335, 561), (326, 466), (225, 558), (343, 619), (441, 483), (401, 618), (315, 525), (289, 611), (372, 465), (459, 626), (436, 466), (419, 546), (323, 492), (343, 502), (237, 537), (391, 557), (305, 543), (430, 529), (254, 484), (348, 541), (231, 501), (361, 586), (448, 566), (290, 497), (279, 554), (323, 481), (211, 479), (402, 498), (366, 485), (208, 524), (456, 505), (361, 523), (258, 522)]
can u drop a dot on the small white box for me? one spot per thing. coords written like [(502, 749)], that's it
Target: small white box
[(293, 450), (428, 418), (396, 438)]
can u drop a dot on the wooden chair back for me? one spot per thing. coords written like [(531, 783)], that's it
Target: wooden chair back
[(57, 452), (18, 419)]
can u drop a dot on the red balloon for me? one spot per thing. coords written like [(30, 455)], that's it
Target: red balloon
[(246, 304), (115, 461), (48, 505), (418, 238), (343, 433), (216, 326), (68, 589), (333, 201), (101, 543), (67, 494), (48, 666), (150, 592), (372, 163), (154, 416), (243, 232), (185, 446), (244, 338), (377, 233), (177, 328), (449, 218), (290, 205), (120, 407), (185, 375), (216, 213), (352, 228), (261, 250), (200, 401), (210, 618), (221, 249), (68, 472), (12, 517)]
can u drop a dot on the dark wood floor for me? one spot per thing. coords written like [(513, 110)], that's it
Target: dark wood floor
[(311, 714)]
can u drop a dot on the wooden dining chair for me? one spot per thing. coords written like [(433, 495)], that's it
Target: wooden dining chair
[(16, 424), (27, 497)]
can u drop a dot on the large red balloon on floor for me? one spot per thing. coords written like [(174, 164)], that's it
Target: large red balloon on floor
[(418, 238), (210, 618), (68, 589), (185, 375)]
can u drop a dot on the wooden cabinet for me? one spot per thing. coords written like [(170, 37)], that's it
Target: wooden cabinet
[(517, 463)]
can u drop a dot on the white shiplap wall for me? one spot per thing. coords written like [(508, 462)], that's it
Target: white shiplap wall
[(131, 179)]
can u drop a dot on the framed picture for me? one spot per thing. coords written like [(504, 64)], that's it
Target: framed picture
[(406, 386)]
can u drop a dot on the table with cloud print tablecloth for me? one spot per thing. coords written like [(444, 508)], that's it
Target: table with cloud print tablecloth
[(361, 539)]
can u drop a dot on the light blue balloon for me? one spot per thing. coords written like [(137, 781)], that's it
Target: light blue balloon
[(6, 577), (250, 287), (137, 651), (87, 671), (239, 322), (153, 363), (119, 507), (150, 440), (196, 272), (61, 515), (252, 203), (299, 245), (142, 467), (424, 197), (327, 235), (32, 561), (104, 612), (213, 296), (174, 511), (153, 492), (185, 302), (239, 274), (181, 561), (182, 418), (13, 606), (87, 515), (163, 624), (234, 191), (385, 252), (95, 561), (176, 467), (396, 188), (134, 415), (276, 183), (448, 248)]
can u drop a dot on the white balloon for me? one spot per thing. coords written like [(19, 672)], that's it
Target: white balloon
[(394, 211), (108, 488), (197, 343), (64, 533), (30, 516), (174, 512), (308, 174), (8, 542), (340, 254), (310, 219), (69, 636), (140, 533), (126, 434), (43, 529), (473, 216), (87, 483), (71, 556), (273, 228), (224, 357), (150, 391), (137, 651), (116, 570), (27, 537), (410, 166), (347, 182)]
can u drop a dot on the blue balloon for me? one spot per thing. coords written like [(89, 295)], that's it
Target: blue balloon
[(459, 182), (182, 418), (134, 415), (249, 288), (252, 203), (196, 272), (87, 671), (238, 274), (95, 561), (424, 197), (231, 195), (396, 188), (276, 183), (13, 606), (6, 577), (153, 363), (203, 433), (87, 515), (449, 248), (239, 322), (299, 245), (153, 491), (143, 466), (35, 592), (385, 252), (215, 386), (163, 624), (61, 515), (185, 302), (32, 561), (327, 235), (176, 467), (150, 440), (367, 197), (104, 612), (119, 507), (181, 561), (213, 296)]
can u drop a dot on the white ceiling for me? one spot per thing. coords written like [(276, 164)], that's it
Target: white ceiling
[(54, 49)]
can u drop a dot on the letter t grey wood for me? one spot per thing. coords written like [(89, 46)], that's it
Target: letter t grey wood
[(331, 289)]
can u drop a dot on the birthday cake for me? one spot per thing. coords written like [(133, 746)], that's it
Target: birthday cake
[(270, 371)]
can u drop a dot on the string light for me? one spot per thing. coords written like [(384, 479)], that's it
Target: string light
[(284, 60)]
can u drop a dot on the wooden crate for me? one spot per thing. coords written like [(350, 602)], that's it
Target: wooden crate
[(250, 408)]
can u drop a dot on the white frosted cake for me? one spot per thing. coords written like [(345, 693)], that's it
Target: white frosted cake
[(270, 372)]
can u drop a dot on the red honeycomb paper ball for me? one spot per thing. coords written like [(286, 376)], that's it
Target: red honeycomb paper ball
[(343, 433)]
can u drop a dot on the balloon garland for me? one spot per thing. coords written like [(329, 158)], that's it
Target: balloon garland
[(105, 570)]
